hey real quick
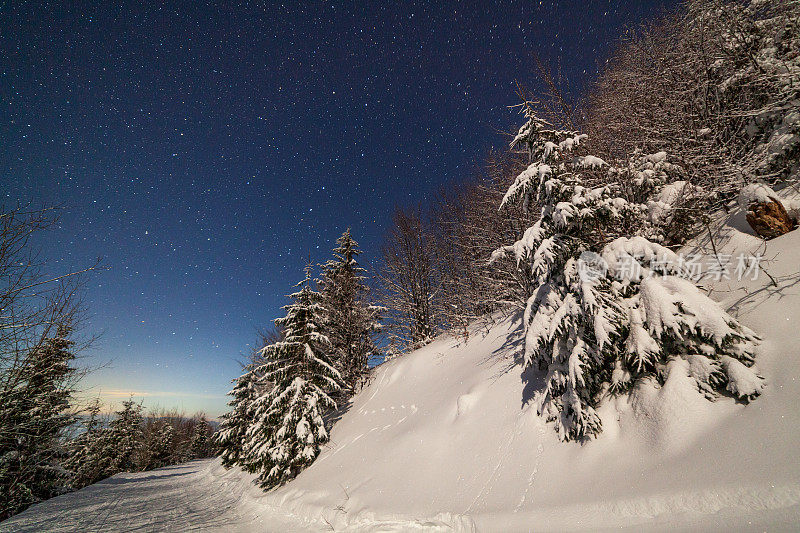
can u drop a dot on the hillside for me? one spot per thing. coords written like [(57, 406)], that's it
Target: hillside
[(447, 428), (443, 438)]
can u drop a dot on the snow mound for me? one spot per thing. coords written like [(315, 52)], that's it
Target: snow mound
[(756, 193)]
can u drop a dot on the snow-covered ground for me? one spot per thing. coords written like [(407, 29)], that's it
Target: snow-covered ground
[(444, 439), (196, 496)]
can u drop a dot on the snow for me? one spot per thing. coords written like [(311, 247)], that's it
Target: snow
[(743, 381), (657, 157), (672, 194), (662, 296), (571, 142), (755, 193), (200, 495), (527, 180), (446, 438), (591, 161), (632, 258)]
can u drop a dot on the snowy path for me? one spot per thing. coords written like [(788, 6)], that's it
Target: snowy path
[(188, 497), (201, 496)]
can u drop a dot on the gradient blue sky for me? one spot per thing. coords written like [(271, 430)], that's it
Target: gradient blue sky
[(205, 150)]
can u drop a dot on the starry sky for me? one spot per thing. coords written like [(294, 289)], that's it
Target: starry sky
[(206, 150)]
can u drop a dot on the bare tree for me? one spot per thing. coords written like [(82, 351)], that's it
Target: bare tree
[(711, 84), (408, 281), (466, 227)]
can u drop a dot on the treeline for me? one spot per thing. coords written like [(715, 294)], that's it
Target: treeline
[(435, 275), (129, 441), (576, 225), (47, 446)]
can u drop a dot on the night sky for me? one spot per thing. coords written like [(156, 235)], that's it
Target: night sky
[(205, 150)]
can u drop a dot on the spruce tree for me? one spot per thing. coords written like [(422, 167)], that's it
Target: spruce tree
[(34, 414), (609, 307), (162, 452), (83, 461), (118, 445), (230, 436), (199, 446), (287, 426), (350, 323)]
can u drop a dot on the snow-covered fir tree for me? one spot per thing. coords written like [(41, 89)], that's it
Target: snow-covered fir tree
[(162, 448), (591, 330), (287, 427), (230, 436), (119, 443), (34, 414), (200, 446), (349, 321), (83, 461)]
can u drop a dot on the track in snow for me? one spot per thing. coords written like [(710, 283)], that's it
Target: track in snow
[(175, 498)]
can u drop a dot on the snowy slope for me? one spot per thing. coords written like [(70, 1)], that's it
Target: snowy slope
[(442, 438), (444, 434)]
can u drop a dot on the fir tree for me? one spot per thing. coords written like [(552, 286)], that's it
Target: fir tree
[(162, 452), (34, 414), (199, 446), (591, 329), (117, 446), (349, 321), (83, 461), (287, 426), (230, 437)]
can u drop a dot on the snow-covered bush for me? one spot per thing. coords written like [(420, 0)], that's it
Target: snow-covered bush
[(598, 330)]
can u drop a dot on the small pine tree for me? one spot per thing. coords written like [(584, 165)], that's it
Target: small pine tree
[(349, 321), (199, 447), (34, 414), (589, 333), (287, 426), (162, 452), (118, 444), (230, 436), (83, 462)]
